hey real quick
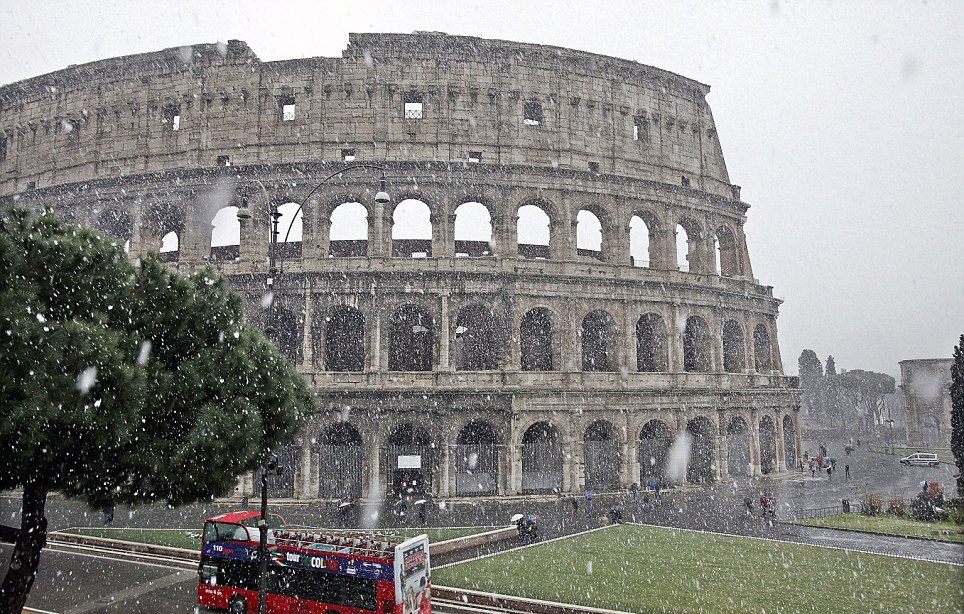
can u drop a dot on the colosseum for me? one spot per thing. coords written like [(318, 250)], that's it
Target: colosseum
[(558, 290)]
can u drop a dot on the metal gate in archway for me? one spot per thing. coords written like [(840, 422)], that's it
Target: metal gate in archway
[(340, 470), (601, 455), (476, 469), (281, 486), (541, 467)]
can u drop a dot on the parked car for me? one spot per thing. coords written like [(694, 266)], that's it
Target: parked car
[(921, 458)]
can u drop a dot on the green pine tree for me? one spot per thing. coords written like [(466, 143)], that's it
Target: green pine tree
[(123, 383), (957, 412)]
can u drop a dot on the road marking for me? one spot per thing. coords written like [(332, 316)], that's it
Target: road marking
[(115, 558), (36, 611), (135, 591)]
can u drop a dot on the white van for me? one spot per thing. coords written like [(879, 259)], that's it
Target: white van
[(921, 458)]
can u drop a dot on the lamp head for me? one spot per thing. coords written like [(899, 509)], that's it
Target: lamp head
[(243, 212), (382, 197)]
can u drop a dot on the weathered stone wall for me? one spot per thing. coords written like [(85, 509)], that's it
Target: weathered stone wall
[(926, 385), (98, 142)]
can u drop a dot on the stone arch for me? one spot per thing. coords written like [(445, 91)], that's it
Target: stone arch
[(768, 445), (341, 453), (345, 340), (115, 222), (166, 222), (349, 230), (689, 233), (696, 345), (762, 349), (589, 235), (738, 447), (536, 340), (541, 459), (226, 234), (734, 347), (655, 439), (598, 335), (930, 430), (479, 338), (411, 343), (476, 460), (409, 458), (727, 255), (170, 248), (473, 230), (601, 455), (652, 349), (412, 229), (789, 442), (290, 230), (701, 466), (285, 332), (534, 230)]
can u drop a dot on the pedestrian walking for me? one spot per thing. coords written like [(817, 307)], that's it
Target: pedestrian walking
[(846, 469), (575, 506), (748, 502), (658, 498), (589, 501), (634, 491), (813, 468), (108, 514), (829, 473)]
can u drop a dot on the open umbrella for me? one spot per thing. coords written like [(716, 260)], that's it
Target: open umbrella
[(516, 518)]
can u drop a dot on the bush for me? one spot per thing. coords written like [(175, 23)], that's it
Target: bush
[(929, 505), (897, 507), (871, 505), (955, 510)]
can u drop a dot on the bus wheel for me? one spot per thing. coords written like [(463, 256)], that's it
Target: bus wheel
[(238, 605)]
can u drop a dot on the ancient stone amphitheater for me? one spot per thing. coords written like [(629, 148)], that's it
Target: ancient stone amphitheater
[(558, 291)]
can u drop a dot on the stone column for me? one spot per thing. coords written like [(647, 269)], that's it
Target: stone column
[(448, 476), (629, 337), (674, 341), (316, 237), (723, 449), (515, 468), (380, 232), (373, 469), (447, 248), (780, 445), (503, 485), (302, 485), (444, 335), (569, 337), (757, 468), (307, 342)]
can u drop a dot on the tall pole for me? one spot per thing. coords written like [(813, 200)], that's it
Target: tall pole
[(263, 544)]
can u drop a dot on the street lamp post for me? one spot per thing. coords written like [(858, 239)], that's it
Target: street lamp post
[(890, 422), (272, 467)]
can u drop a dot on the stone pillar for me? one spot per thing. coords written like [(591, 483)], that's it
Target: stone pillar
[(447, 247), (743, 253), (373, 469), (316, 237), (444, 335), (628, 461), (674, 342), (448, 476), (138, 245), (630, 318), (723, 449), (380, 232), (757, 467), (569, 337), (307, 342), (499, 244), (620, 342), (503, 485), (716, 343), (302, 482), (515, 468), (780, 444)]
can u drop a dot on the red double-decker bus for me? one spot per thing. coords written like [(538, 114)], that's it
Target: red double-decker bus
[(311, 572)]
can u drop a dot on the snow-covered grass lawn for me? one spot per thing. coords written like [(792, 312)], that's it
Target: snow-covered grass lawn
[(889, 525), (649, 569)]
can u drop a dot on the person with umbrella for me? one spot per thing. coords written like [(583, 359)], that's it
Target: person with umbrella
[(344, 510)]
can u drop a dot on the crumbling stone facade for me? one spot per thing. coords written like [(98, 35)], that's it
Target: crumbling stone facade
[(565, 349)]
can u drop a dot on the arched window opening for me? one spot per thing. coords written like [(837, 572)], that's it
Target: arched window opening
[(476, 460), (734, 354), (762, 350), (727, 262), (478, 340), (345, 340), (412, 230), (601, 449), (290, 230), (598, 334), (654, 442), (682, 249), (170, 248), (117, 223), (535, 339), (588, 235), (348, 235), (696, 345), (533, 232), (285, 331), (651, 347), (541, 459), (739, 460), (341, 453), (639, 242), (226, 234), (768, 445), (930, 431), (409, 457), (701, 469), (789, 442), (473, 230), (412, 340)]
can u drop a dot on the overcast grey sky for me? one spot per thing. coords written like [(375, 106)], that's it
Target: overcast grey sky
[(843, 121)]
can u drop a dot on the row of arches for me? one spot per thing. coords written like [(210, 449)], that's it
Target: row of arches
[(481, 341), (477, 460), (347, 229)]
